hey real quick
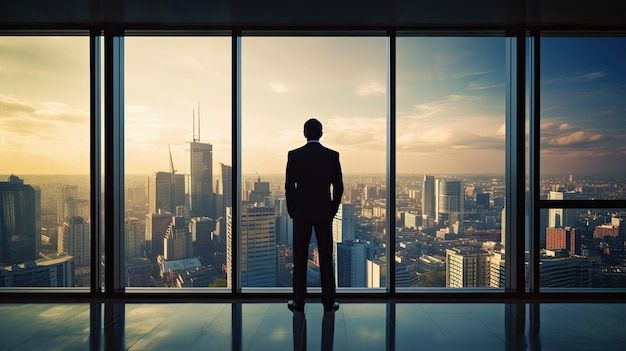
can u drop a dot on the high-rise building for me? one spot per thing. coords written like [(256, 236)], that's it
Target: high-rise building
[(70, 205), (406, 272), (482, 201), (257, 252), (351, 258), (161, 192), (52, 272), (558, 217), (344, 223), (19, 235), (284, 223), (134, 229), (260, 192), (74, 238), (559, 271), (410, 220), (561, 239), (201, 229), (376, 273), (156, 226), (138, 272), (497, 273), (428, 197), (201, 179), (177, 240), (467, 268), (449, 200), (227, 186)]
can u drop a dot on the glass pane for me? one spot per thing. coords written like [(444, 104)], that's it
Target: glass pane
[(341, 82), (582, 248), (583, 99), (44, 162), (178, 152), (450, 149)]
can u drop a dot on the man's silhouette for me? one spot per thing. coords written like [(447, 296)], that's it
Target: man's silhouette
[(311, 171)]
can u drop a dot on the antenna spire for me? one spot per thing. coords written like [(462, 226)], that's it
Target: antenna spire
[(193, 117)]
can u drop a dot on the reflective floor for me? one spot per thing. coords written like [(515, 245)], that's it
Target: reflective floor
[(356, 326)]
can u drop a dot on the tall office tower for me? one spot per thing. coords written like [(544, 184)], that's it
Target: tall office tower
[(138, 272), (44, 272), (201, 187), (503, 228), (161, 192), (284, 223), (410, 220), (428, 197), (19, 235), (74, 239), (177, 240), (227, 186), (257, 252), (260, 192), (555, 215), (561, 239), (449, 200), (229, 248), (376, 272), (558, 271), (69, 205), (201, 229), (351, 264), (467, 268), (497, 265), (482, 201), (406, 272), (156, 226), (344, 223), (134, 229)]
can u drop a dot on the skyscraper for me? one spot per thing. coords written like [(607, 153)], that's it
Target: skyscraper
[(134, 229), (69, 205), (177, 240), (201, 179), (44, 272), (156, 226), (19, 235), (344, 223), (351, 258), (257, 251), (428, 197), (160, 192), (561, 239), (467, 268), (284, 223), (260, 192), (449, 200), (227, 185), (74, 239)]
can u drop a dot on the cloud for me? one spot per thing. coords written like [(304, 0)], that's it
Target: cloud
[(449, 105), (483, 86), (576, 78), (371, 89), (576, 139), (279, 87)]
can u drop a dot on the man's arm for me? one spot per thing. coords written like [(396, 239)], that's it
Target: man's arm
[(337, 182), (290, 186)]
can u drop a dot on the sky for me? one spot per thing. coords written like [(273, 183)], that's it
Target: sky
[(450, 102)]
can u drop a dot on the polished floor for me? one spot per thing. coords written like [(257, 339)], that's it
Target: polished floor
[(356, 326)]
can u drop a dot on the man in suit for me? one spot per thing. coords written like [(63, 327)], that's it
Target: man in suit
[(311, 171)]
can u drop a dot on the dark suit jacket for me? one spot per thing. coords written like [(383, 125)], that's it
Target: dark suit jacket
[(311, 170)]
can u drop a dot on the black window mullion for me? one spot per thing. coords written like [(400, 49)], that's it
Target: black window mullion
[(391, 164), (94, 159)]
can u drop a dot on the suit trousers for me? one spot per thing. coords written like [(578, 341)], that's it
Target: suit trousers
[(301, 239)]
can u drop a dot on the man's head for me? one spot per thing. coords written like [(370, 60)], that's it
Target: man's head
[(312, 129)]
